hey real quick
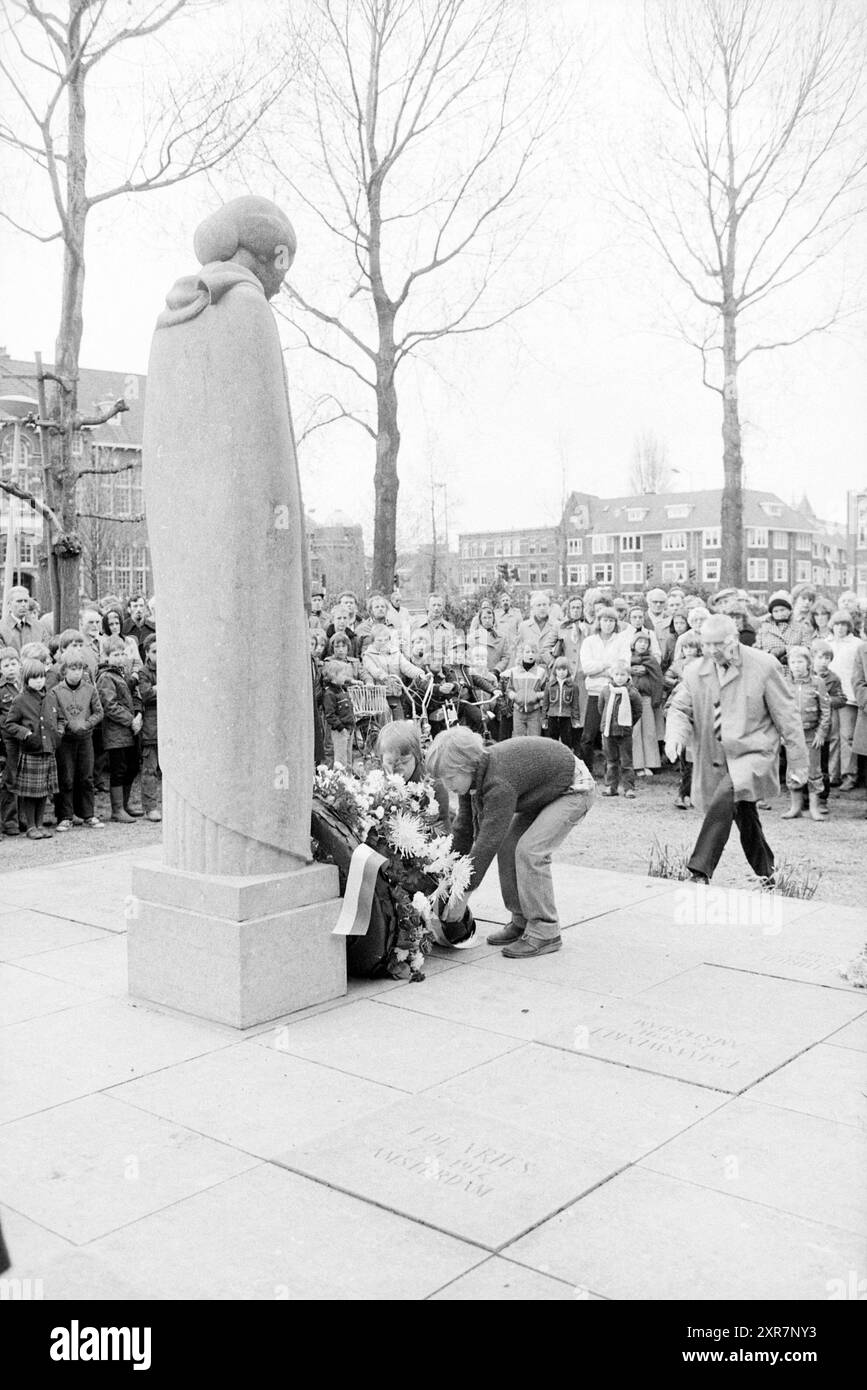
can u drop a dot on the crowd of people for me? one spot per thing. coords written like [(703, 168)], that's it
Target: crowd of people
[(78, 713), (597, 672)]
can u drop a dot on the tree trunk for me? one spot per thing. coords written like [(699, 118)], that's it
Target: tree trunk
[(385, 478), (732, 509)]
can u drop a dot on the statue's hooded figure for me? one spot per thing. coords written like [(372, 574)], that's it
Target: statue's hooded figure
[(227, 538)]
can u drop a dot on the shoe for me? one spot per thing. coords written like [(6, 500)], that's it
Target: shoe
[(118, 810), (63, 825), (764, 806), (796, 804), (630, 794), (817, 811), (505, 934), (699, 878), (33, 834), (768, 883), (11, 830), (95, 823), (680, 803), (154, 815), (609, 791), (130, 810), (45, 834), (78, 820), (848, 784), (526, 947)]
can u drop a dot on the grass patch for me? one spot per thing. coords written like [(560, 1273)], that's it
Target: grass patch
[(668, 861), (796, 878)]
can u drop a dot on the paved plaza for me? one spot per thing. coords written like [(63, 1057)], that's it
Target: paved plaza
[(671, 1107)]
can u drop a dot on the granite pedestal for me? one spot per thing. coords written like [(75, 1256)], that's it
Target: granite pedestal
[(237, 950)]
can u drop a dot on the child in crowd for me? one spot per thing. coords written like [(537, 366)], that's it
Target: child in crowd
[(690, 651), (78, 712), (619, 713), (32, 722), (560, 706), (524, 687), (319, 725), (814, 708), (445, 691), (120, 729), (10, 687), (337, 707), (823, 655), (151, 775), (341, 649), (646, 676), (73, 640), (384, 663)]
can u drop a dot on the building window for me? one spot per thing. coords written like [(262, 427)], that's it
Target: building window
[(757, 570), (781, 571), (674, 571), (603, 574), (636, 513), (711, 537), (710, 570), (632, 542), (803, 571), (543, 576), (675, 513), (574, 545), (26, 549), (533, 576), (780, 540), (632, 572), (577, 574), (498, 546), (602, 545), (757, 538), (771, 508), (803, 541), (674, 540)]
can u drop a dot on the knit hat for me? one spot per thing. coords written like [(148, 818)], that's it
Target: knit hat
[(780, 600), (841, 616)]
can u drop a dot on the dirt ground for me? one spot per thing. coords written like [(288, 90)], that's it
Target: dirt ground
[(17, 852), (619, 834)]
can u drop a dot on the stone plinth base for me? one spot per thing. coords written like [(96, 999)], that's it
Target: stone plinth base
[(240, 951)]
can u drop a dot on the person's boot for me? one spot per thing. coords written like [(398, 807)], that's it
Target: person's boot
[(118, 810), (796, 805), (817, 810), (130, 810)]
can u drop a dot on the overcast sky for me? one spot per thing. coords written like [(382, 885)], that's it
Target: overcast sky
[(557, 394)]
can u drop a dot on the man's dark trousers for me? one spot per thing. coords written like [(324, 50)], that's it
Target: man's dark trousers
[(716, 828)]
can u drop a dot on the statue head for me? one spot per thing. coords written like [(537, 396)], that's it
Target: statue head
[(253, 232)]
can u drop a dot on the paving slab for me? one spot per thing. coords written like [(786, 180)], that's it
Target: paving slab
[(513, 1006), (720, 1028), (394, 1047), (499, 1281), (78, 1276), (24, 933), (98, 966), (651, 1237), (588, 1103), (801, 1164), (24, 995), (469, 1174), (86, 1168), (805, 951), (580, 893), (31, 1247), (830, 1082), (600, 961), (854, 1035), (269, 1234), (62, 1056), (256, 1098)]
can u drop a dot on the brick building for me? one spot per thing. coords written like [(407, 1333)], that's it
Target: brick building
[(631, 542), (856, 540)]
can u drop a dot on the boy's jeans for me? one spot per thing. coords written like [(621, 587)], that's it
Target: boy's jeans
[(814, 758), (342, 740), (526, 722), (75, 775), (618, 761), (524, 859), (151, 778)]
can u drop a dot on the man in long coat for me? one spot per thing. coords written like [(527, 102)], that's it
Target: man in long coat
[(733, 707)]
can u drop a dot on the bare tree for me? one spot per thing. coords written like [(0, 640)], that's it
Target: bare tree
[(757, 178), (650, 470), (415, 142), (48, 53)]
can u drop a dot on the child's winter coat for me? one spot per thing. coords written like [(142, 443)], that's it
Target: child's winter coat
[(561, 697), (619, 710), (527, 686)]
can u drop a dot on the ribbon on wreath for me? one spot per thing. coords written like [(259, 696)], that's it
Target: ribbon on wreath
[(364, 866)]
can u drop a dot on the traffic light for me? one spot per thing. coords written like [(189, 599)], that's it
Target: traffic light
[(514, 572), (503, 571)]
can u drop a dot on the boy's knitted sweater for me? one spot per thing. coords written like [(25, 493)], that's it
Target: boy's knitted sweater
[(814, 707)]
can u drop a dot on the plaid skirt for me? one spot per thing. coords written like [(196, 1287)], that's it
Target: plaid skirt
[(36, 774)]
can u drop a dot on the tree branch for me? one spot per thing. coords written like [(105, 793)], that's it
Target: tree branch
[(26, 496), (103, 416)]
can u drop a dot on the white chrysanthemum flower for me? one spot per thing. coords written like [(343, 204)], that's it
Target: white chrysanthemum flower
[(460, 877), (405, 835), (421, 905), (417, 961), (400, 954)]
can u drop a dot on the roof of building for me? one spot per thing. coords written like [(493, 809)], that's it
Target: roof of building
[(610, 513), (96, 390)]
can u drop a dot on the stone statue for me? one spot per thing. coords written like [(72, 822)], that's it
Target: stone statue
[(227, 538)]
